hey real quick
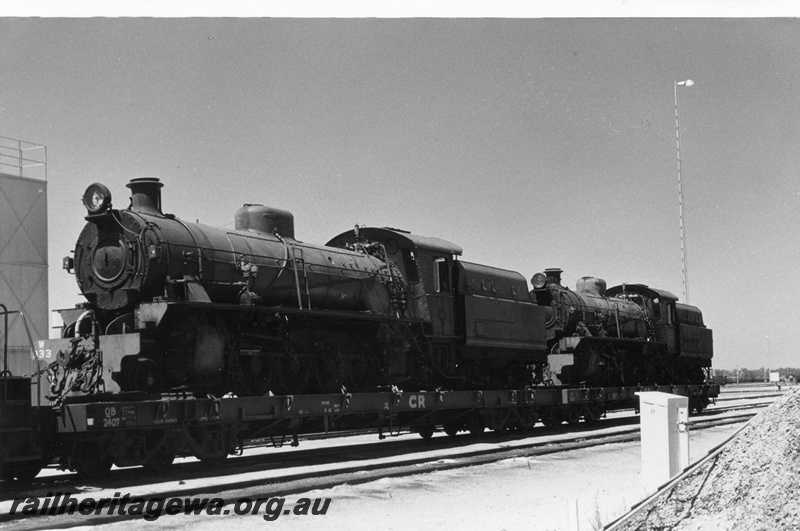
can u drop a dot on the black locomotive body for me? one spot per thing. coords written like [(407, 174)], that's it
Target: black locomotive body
[(177, 305), (626, 335), (186, 328), (173, 305)]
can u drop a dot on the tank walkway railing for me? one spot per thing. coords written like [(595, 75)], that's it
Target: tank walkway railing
[(19, 158)]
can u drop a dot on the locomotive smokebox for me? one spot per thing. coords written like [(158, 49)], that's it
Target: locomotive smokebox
[(265, 220), (146, 195)]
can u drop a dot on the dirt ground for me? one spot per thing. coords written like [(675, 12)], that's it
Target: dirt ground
[(522, 493)]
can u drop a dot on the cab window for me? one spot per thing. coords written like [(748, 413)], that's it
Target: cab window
[(656, 308), (410, 265)]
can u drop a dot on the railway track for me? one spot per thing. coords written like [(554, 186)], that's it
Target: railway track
[(353, 446), (286, 471)]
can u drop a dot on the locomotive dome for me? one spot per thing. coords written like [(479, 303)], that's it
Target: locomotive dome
[(593, 285), (265, 220)]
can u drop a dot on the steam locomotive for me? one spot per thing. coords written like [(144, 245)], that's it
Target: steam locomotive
[(624, 335), (172, 305), (178, 305)]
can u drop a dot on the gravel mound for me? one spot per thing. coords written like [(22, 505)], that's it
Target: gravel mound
[(754, 483)]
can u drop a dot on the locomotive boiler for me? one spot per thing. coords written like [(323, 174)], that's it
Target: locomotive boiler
[(174, 305), (125, 257), (626, 335)]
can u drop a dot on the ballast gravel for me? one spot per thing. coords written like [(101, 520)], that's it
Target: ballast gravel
[(752, 484)]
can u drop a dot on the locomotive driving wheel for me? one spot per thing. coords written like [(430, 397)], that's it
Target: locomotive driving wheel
[(254, 377), (332, 368), (293, 374)]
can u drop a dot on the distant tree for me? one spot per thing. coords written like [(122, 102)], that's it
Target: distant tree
[(755, 375)]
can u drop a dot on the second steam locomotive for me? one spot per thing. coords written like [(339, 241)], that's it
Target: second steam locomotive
[(172, 305)]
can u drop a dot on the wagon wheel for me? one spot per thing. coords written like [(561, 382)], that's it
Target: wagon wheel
[(573, 414), (90, 461), (552, 417), (593, 413), (22, 473), (452, 428), (210, 444), (426, 431), (527, 418), (702, 403), (697, 404), (497, 419), (160, 461), (475, 427)]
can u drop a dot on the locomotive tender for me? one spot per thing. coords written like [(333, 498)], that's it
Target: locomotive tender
[(173, 305)]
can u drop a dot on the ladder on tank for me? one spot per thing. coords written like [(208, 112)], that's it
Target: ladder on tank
[(300, 277)]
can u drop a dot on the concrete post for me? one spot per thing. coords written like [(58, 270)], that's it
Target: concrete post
[(665, 437), (573, 518)]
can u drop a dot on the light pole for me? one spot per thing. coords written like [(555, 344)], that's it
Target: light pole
[(687, 83)]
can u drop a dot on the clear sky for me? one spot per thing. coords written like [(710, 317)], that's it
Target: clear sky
[(531, 143)]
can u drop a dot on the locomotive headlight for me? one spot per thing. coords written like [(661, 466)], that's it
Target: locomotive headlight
[(97, 198), (539, 280)]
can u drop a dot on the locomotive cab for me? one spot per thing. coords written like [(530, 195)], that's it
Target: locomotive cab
[(679, 327), (426, 264), (660, 306), (480, 319)]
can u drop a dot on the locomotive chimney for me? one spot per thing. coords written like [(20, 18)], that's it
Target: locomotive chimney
[(146, 195), (553, 275)]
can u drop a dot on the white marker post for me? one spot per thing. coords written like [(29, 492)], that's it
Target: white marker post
[(665, 437)]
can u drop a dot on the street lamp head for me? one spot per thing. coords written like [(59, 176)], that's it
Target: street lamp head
[(687, 83)]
